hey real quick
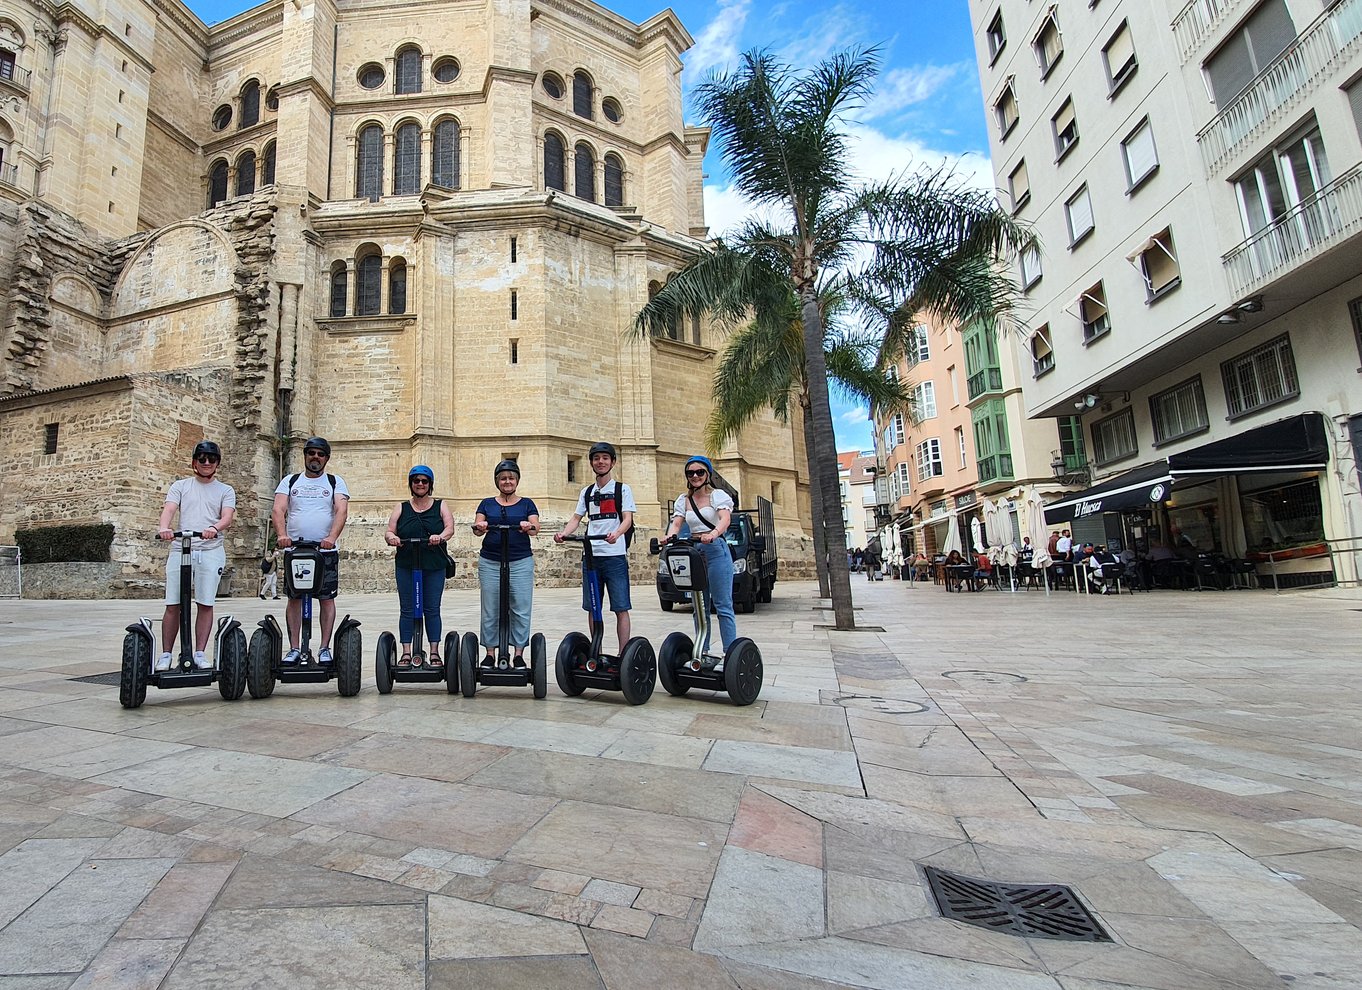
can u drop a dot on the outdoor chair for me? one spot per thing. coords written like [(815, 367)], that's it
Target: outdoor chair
[(1114, 573), (1206, 572)]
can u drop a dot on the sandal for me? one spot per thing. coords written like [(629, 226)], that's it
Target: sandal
[(405, 661), (434, 660)]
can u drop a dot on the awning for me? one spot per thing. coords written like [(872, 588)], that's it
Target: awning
[(1300, 443), (1132, 490)]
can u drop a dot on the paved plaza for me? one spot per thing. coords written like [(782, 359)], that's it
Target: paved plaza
[(1188, 763)]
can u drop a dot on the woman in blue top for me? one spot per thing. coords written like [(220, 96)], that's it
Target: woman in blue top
[(506, 508), (708, 511)]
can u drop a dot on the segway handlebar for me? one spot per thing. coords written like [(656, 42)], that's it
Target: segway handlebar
[(581, 537), (179, 534)]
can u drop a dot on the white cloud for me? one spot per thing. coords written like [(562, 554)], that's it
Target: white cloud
[(716, 46), (904, 87)]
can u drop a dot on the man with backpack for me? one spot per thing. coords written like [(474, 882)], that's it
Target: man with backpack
[(312, 506), (608, 506)]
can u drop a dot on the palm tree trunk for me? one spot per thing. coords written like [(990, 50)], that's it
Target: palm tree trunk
[(823, 444), (821, 551)]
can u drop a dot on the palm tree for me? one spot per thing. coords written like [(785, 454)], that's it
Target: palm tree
[(920, 242)]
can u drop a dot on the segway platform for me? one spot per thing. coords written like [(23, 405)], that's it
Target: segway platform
[(534, 675)]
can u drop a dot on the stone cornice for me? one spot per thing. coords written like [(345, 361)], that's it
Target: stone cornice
[(596, 19), (307, 83), (175, 133), (346, 325), (68, 14), (249, 22), (183, 18), (256, 132), (175, 307), (41, 397), (680, 348)]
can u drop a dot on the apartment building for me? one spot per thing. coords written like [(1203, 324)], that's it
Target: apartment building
[(856, 471), (1194, 172)]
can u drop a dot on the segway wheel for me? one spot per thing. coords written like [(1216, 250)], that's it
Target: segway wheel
[(349, 661), (260, 665), (742, 671), (383, 662), (572, 652), (232, 665), (468, 661), (638, 670), (675, 651), (666, 605), (132, 680), (452, 662), (539, 666)]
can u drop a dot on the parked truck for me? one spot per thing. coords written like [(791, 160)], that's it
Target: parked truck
[(751, 538)]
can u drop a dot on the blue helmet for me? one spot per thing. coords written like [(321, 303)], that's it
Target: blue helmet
[(700, 459), (421, 471)]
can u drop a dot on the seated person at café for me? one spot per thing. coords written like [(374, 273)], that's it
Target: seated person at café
[(919, 568), (1026, 551), (983, 570), (1100, 559), (954, 568)]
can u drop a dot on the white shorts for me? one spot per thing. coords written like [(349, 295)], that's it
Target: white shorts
[(208, 566)]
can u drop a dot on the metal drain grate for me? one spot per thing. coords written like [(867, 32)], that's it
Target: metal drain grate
[(1036, 910), (110, 678)]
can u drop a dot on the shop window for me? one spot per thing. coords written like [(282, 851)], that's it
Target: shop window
[(1113, 438), (444, 153), (1065, 127), (554, 171), (250, 104), (1283, 516), (614, 181), (407, 67), (1019, 186), (1042, 351), (245, 173), (1005, 110), (1119, 58), (997, 37), (584, 173), (407, 160), (1049, 44), (1157, 262), (1179, 412), (1078, 214), (369, 163), (1092, 312), (1139, 154), (1260, 378)]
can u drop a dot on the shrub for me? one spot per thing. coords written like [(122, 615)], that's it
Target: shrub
[(58, 544)]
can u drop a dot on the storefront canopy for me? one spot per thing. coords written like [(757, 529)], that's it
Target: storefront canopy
[(1297, 444)]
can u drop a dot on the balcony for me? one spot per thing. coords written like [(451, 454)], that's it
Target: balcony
[(984, 381), (1323, 221), (9, 175), (995, 467), (1288, 80), (13, 76), (1197, 20)]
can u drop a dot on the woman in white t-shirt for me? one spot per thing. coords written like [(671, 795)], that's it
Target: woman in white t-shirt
[(707, 511)]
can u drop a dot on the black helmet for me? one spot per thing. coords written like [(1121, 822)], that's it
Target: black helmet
[(601, 447), (317, 443), (207, 447), (507, 465)]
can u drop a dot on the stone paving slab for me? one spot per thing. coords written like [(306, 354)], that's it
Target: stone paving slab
[(1196, 781)]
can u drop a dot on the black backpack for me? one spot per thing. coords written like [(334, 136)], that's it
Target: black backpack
[(293, 480), (591, 495)]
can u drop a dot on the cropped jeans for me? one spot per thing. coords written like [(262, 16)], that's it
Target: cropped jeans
[(522, 601), (719, 561), (432, 590)]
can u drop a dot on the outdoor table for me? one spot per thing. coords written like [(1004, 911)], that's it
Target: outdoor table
[(959, 575)]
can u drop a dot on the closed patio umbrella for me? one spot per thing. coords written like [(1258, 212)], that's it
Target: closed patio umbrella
[(991, 523), (976, 535), (1003, 525), (1033, 525), (952, 536)]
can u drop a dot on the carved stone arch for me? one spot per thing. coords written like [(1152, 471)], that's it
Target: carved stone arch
[(78, 292), (12, 35), (365, 122), (187, 260)]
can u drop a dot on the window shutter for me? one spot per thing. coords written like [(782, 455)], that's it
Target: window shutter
[(1080, 214), (1141, 157), (1120, 53), (1021, 186)]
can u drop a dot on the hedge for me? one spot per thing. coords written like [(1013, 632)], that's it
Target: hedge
[(58, 544)]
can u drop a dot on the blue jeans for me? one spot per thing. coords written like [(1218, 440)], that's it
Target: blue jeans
[(522, 601), (432, 590), (719, 563)]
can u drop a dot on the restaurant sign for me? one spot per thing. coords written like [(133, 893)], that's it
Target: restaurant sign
[(1093, 506), (966, 500)]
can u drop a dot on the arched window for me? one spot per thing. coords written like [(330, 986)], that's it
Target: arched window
[(338, 288), (409, 70), (250, 104), (614, 181), (673, 325), (369, 163), (407, 160), (553, 163), (217, 183), (584, 173), (368, 284), (581, 95), (267, 166), (245, 173), (444, 165), (397, 286)]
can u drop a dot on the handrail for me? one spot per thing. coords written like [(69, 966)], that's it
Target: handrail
[(1286, 81), (18, 75), (9, 174), (1331, 548), (1194, 23), (1325, 219)]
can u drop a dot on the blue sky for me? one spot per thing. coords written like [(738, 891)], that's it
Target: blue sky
[(927, 108)]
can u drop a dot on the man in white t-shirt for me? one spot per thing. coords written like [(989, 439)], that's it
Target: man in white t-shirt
[(609, 508), (312, 506), (206, 506)]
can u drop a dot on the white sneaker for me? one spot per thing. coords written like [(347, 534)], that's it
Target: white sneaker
[(201, 661), (163, 662), (324, 655), (291, 657)]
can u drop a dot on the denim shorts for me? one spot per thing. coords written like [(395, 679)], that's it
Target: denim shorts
[(614, 572)]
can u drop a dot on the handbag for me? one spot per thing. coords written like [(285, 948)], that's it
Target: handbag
[(450, 566)]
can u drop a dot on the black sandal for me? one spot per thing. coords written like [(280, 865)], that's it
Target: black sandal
[(434, 660), (405, 661)]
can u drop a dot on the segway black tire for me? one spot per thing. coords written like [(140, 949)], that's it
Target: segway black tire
[(349, 661), (742, 671), (675, 651), (573, 650), (132, 679), (468, 661), (667, 606), (539, 666), (232, 665), (452, 662), (638, 671), (260, 665), (384, 656)]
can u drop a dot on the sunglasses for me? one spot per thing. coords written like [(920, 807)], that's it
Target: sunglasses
[(315, 453), (420, 481), (206, 459), (697, 473)]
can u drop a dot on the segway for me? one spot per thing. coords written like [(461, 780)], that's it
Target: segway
[(264, 664), (503, 674), (139, 647), (386, 670), (580, 664), (682, 663)]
